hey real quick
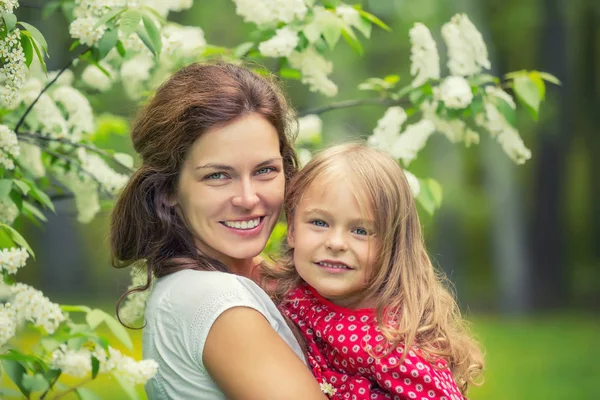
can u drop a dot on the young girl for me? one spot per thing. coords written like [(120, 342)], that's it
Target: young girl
[(358, 283)]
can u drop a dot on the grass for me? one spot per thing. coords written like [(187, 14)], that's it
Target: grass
[(553, 357)]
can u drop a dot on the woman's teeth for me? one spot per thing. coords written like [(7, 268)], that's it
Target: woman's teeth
[(329, 265), (253, 223)]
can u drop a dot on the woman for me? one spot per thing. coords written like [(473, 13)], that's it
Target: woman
[(199, 210)]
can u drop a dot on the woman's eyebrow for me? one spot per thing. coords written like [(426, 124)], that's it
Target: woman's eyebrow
[(215, 166), (269, 161)]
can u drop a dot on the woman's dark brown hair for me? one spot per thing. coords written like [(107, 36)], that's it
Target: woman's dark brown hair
[(195, 99)]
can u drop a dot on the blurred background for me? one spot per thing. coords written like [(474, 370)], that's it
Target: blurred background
[(520, 243)]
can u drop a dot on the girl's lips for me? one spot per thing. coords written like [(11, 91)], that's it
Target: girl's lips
[(334, 267)]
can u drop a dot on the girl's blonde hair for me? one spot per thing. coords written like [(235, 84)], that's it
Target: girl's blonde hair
[(413, 303)]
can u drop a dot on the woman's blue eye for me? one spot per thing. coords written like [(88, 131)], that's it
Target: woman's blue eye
[(265, 170), (360, 231), (318, 222), (216, 176)]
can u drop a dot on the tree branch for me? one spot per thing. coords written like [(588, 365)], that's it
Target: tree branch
[(66, 67), (93, 149), (70, 161), (352, 103)]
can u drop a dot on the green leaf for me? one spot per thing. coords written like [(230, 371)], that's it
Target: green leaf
[(430, 196), (129, 22), (86, 394), (153, 33), (10, 21), (364, 26), (528, 94), (548, 77), (243, 49), (27, 49), (16, 371), (127, 386), (17, 238), (35, 383), (108, 16), (49, 344), (96, 316), (482, 79), (121, 49), (24, 187), (539, 82), (73, 45), (69, 309), (37, 35), (6, 393), (312, 31), (331, 27), (505, 109), (290, 73), (39, 195), (371, 18), (107, 42), (95, 367), (353, 41), (143, 35), (39, 56), (33, 211), (5, 188)]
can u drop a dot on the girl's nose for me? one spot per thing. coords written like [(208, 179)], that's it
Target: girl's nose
[(336, 242)]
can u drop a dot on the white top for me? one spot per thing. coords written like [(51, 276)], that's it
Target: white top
[(179, 314)]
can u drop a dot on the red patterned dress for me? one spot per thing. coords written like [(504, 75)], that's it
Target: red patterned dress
[(338, 339)]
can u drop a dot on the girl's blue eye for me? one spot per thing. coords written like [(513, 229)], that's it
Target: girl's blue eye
[(216, 176), (360, 231), (265, 170), (318, 222)]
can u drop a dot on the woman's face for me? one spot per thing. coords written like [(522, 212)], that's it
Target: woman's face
[(231, 188)]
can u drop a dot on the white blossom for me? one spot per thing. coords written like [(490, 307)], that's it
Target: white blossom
[(8, 5), (77, 363), (9, 147), (12, 259), (32, 306), (135, 303), (163, 7), (48, 115), (83, 28), (413, 183), (467, 53), (309, 128), (314, 68), (94, 78), (31, 158), (134, 72), (501, 94), (8, 323), (262, 12), (388, 128), (66, 78), (280, 45), (13, 69), (97, 167), (455, 92), (327, 388), (183, 41), (508, 137), (136, 372), (348, 14), (424, 57), (85, 190), (411, 141), (80, 117), (8, 212)]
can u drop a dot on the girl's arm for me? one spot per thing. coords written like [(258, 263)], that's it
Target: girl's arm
[(249, 360)]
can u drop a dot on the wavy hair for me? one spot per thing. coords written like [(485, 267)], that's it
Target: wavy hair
[(414, 305)]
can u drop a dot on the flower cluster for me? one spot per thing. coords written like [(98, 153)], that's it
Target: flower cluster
[(78, 363), (31, 305), (183, 41), (8, 5), (8, 324), (8, 212), (94, 78), (97, 167), (9, 147), (13, 68), (12, 259), (309, 129), (314, 68), (263, 12), (80, 117), (135, 304), (424, 57), (455, 92), (280, 45), (467, 52)]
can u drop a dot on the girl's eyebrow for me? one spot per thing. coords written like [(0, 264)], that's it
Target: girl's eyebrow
[(225, 167), (356, 221)]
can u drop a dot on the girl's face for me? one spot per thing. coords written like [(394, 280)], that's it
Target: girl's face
[(231, 188), (333, 241)]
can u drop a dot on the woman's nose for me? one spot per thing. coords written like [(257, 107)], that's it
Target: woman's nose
[(247, 197)]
